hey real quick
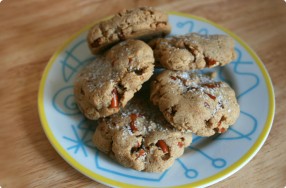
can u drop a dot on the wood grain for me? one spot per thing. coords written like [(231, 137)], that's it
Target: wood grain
[(30, 31)]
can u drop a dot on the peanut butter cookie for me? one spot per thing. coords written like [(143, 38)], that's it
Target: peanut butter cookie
[(139, 23), (139, 137), (195, 102), (193, 51), (108, 83)]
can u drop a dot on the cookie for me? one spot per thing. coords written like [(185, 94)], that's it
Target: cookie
[(195, 102), (138, 23), (108, 83), (139, 137), (193, 51)]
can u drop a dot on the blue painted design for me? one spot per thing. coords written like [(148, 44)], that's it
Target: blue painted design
[(191, 25), (249, 74), (189, 172), (241, 135), (216, 162), (126, 175), (65, 96), (82, 138), (66, 65), (67, 69), (78, 144)]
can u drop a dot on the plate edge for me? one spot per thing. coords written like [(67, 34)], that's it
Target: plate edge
[(207, 181)]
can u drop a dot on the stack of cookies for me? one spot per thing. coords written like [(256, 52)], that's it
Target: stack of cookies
[(147, 128)]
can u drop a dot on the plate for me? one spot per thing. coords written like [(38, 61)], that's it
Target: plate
[(205, 162)]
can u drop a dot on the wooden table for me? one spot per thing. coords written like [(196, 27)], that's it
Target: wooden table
[(30, 31)]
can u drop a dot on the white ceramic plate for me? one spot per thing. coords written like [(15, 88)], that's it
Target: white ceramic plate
[(205, 162)]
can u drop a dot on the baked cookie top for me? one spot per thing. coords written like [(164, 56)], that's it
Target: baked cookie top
[(107, 84), (140, 23), (139, 137), (193, 51), (195, 102)]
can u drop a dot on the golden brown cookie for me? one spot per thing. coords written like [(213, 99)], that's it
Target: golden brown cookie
[(139, 23), (195, 102), (139, 137), (193, 51), (108, 83)]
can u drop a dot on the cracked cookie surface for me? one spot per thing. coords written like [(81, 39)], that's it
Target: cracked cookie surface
[(193, 51), (139, 137), (139, 23), (195, 102), (107, 84)]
